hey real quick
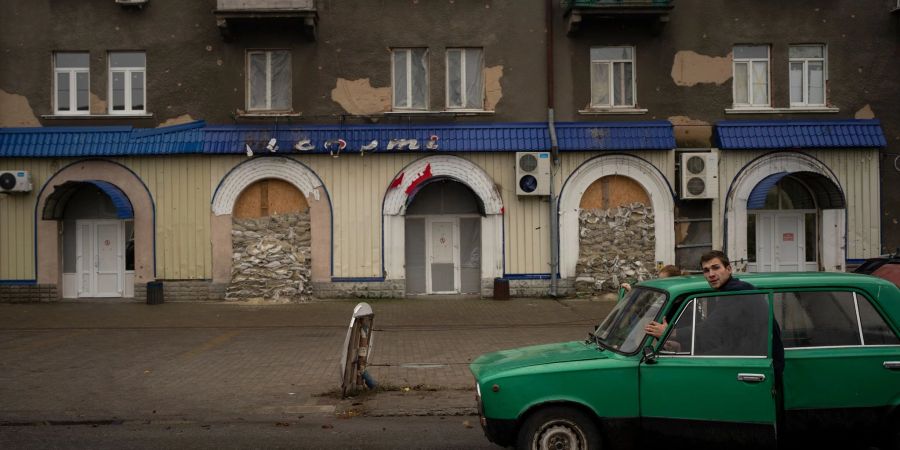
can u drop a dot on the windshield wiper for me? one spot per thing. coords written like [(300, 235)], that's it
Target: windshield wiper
[(596, 340)]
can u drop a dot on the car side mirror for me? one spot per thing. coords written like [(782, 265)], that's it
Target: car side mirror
[(649, 355)]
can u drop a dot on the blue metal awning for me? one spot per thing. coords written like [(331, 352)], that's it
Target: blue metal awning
[(197, 137), (796, 134), (55, 206), (56, 142), (826, 194)]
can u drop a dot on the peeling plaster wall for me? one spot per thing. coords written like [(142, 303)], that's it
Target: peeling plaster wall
[(359, 97), (15, 111), (692, 133), (690, 68)]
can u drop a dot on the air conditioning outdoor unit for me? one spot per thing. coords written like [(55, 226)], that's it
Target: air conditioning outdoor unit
[(532, 173), (699, 176), (15, 181)]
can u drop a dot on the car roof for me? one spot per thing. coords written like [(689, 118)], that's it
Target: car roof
[(774, 280)]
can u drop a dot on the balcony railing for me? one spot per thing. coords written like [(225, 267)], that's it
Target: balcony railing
[(230, 12), (656, 11)]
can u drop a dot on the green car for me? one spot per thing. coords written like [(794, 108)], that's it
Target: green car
[(716, 377)]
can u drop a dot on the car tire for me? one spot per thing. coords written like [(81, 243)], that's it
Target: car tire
[(558, 427)]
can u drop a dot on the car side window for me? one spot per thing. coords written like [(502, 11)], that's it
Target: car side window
[(817, 319), (875, 330), (734, 325)]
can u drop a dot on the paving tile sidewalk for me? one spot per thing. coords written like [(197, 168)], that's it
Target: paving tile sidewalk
[(221, 361)]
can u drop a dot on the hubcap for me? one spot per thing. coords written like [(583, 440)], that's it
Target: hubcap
[(559, 436)]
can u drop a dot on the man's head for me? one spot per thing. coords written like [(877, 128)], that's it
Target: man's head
[(716, 268)]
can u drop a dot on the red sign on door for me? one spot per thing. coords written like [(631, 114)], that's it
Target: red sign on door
[(787, 237)]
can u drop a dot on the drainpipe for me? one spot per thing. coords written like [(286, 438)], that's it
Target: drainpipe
[(554, 157)]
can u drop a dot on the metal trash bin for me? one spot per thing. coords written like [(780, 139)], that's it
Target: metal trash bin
[(501, 289), (155, 293)]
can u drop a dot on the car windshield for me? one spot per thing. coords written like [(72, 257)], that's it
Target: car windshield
[(623, 328)]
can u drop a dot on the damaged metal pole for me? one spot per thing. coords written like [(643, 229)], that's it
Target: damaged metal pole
[(356, 351)]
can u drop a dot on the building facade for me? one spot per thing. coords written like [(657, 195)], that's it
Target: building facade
[(284, 150)]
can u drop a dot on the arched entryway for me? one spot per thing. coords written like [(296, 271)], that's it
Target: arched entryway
[(273, 192), (95, 233), (617, 241), (443, 239), (786, 212), (608, 183), (455, 173)]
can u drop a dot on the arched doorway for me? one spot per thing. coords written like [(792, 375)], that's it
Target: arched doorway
[(271, 244), (784, 222), (617, 240), (270, 186), (776, 191), (97, 221), (651, 181), (81, 207), (443, 239)]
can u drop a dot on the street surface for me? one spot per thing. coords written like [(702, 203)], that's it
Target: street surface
[(101, 374)]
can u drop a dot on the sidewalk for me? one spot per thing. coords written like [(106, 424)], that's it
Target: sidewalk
[(226, 361)]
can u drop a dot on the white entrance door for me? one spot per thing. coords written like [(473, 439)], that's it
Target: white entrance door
[(100, 258), (442, 255), (780, 242)]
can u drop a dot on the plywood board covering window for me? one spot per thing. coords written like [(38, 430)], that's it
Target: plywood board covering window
[(269, 198), (612, 191)]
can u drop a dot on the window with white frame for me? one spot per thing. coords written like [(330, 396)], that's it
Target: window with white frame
[(409, 76), (127, 82), (751, 76), (465, 78), (807, 66), (268, 80), (612, 77), (71, 83)]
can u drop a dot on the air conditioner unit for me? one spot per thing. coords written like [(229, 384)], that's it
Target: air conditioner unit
[(533, 173), (15, 181), (699, 176)]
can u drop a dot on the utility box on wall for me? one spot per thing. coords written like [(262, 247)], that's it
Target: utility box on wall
[(532, 173), (699, 176)]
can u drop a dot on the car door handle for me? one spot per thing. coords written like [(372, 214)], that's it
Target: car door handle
[(892, 365), (751, 377)]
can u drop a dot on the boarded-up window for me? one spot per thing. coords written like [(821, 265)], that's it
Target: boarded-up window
[(612, 191), (269, 198)]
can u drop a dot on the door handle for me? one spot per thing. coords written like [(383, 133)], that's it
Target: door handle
[(751, 377), (892, 365)]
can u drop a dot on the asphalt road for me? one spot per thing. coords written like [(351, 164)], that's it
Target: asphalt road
[(317, 432)]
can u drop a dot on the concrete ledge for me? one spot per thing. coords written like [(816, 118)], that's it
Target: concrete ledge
[(28, 293)]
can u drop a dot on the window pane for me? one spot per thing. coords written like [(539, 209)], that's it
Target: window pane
[(474, 78), (257, 78), (816, 83), (628, 81), (62, 92), (618, 80), (72, 60), (741, 96), (807, 51), (796, 195), (137, 91), (678, 341), (454, 78), (816, 319), (281, 80), (751, 238), (610, 53), (419, 78), (811, 230), (127, 59), (875, 330), (118, 91), (600, 84), (760, 83), (796, 82), (81, 82), (751, 51), (400, 82), (736, 325)]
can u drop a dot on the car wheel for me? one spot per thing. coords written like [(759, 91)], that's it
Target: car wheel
[(558, 428)]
